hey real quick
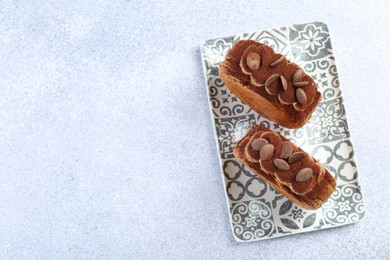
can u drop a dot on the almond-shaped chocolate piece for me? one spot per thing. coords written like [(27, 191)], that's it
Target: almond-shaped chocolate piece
[(278, 61), (297, 75), (266, 152), (284, 82), (281, 164), (268, 83), (253, 60), (301, 96), (304, 175), (296, 157), (258, 143), (300, 84), (285, 150)]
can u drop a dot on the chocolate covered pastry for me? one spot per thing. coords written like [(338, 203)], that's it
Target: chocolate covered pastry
[(270, 84), (286, 167)]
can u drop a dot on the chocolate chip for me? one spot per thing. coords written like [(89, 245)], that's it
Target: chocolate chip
[(266, 152), (296, 157), (285, 150), (281, 165), (258, 143), (253, 61), (304, 175)]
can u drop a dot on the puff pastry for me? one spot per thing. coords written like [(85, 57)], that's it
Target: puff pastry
[(286, 167), (271, 85)]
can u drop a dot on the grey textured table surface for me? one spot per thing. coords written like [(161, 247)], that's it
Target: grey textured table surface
[(106, 143)]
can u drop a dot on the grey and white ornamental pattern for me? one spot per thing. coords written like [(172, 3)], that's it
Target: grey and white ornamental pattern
[(257, 211)]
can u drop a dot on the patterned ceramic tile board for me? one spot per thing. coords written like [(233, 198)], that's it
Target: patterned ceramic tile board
[(257, 211)]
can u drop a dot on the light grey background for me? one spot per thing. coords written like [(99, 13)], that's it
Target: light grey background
[(106, 142)]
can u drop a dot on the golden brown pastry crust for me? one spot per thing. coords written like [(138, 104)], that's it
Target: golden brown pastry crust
[(309, 197), (249, 87)]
